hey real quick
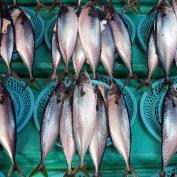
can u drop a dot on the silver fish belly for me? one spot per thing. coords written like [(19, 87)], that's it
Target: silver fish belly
[(84, 115)]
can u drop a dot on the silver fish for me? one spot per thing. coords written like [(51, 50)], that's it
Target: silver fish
[(108, 47), (169, 124), (100, 135), (84, 102), (174, 3), (24, 39), (67, 32), (89, 32), (8, 130), (66, 132), (152, 61), (50, 125), (166, 27), (119, 125), (78, 57), (56, 56), (121, 36), (176, 57), (7, 40)]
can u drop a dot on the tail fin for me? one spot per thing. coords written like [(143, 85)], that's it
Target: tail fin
[(34, 84), (145, 83), (13, 168), (134, 5), (81, 169), (162, 173), (68, 175), (40, 168), (130, 171), (40, 6), (165, 83)]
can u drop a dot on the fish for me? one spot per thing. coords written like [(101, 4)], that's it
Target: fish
[(119, 125), (78, 57), (8, 128), (107, 46), (166, 27), (66, 130), (152, 61), (49, 130), (100, 135), (176, 57), (121, 37), (84, 102), (67, 32), (7, 40), (169, 124), (56, 55), (89, 32), (24, 39), (174, 4)]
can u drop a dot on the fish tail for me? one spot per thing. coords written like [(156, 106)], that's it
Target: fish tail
[(81, 169), (162, 173), (130, 76), (33, 83), (68, 175), (145, 83), (40, 168), (165, 83), (13, 168), (130, 171)]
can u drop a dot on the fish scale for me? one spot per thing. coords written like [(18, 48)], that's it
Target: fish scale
[(169, 124)]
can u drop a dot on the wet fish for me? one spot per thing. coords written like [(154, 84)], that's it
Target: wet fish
[(152, 61), (84, 102), (50, 125), (166, 27), (78, 57), (56, 56), (24, 39), (8, 129), (66, 131), (100, 135), (169, 124), (67, 32), (174, 3), (7, 40), (108, 46), (119, 125), (176, 57), (89, 32), (121, 36)]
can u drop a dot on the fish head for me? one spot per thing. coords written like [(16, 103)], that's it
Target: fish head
[(114, 89), (61, 87), (108, 11), (3, 92), (172, 91), (84, 77), (63, 10), (164, 7)]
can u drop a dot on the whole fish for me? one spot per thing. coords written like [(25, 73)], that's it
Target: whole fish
[(166, 27), (119, 125), (67, 32), (100, 134), (24, 39), (50, 125), (107, 46), (89, 32), (169, 124), (84, 117), (56, 56), (7, 40), (121, 37), (78, 57), (152, 61), (66, 131), (8, 129)]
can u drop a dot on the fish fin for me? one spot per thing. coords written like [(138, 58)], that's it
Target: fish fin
[(34, 84), (13, 168), (40, 6), (165, 83), (131, 76), (81, 169), (130, 171), (40, 168), (135, 5), (68, 175), (162, 173), (145, 83)]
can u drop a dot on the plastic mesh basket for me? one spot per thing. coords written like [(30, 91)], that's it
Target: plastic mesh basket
[(49, 28), (151, 106), (23, 101), (103, 80), (80, 174), (143, 30), (38, 27), (1, 174), (169, 171)]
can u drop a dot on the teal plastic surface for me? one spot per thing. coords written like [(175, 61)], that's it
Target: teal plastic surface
[(23, 101), (169, 171), (1, 174), (76, 175), (49, 29), (151, 108), (103, 80), (144, 29), (38, 27)]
